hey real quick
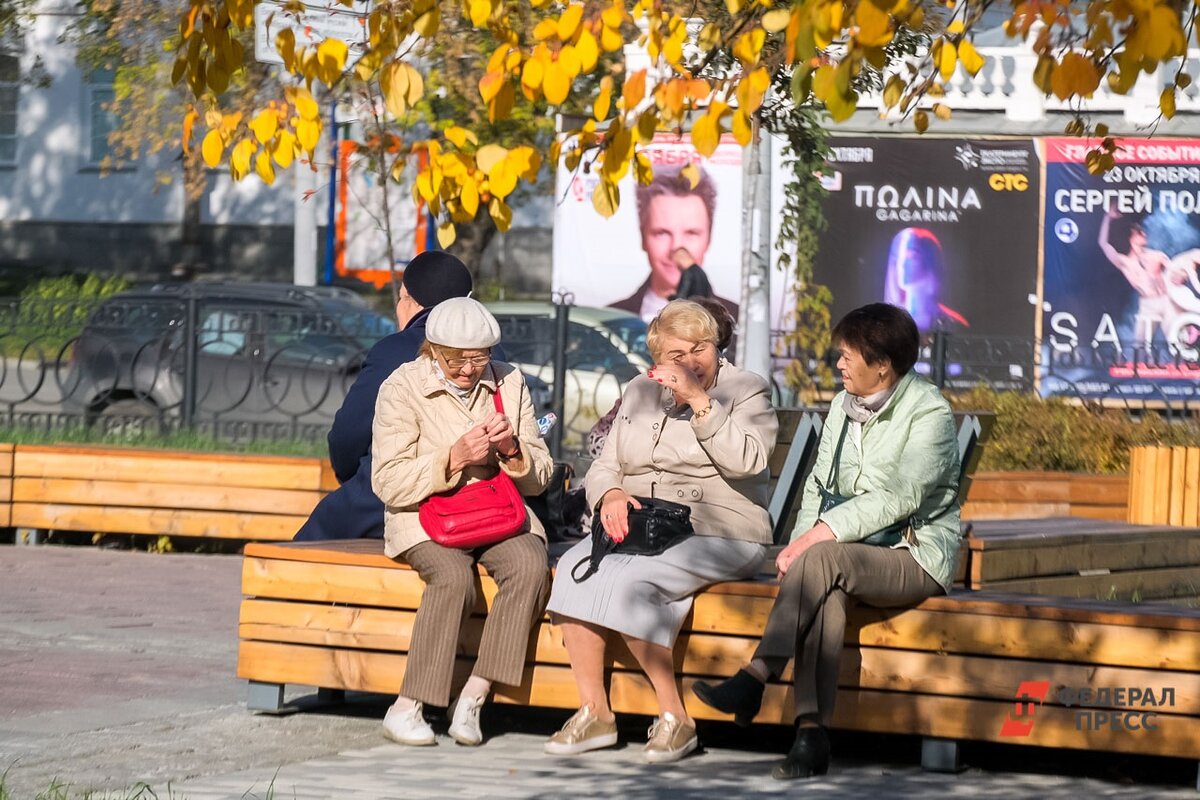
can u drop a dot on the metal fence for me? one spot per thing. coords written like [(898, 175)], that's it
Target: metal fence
[(276, 364)]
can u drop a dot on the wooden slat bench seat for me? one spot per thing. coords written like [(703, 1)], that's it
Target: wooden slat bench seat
[(338, 615), (174, 493), (1086, 558)]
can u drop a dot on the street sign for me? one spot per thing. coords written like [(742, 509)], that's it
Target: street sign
[(313, 26)]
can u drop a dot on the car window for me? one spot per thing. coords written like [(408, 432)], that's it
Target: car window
[(223, 332), (632, 332)]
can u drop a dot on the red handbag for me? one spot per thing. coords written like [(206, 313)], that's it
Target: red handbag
[(478, 514)]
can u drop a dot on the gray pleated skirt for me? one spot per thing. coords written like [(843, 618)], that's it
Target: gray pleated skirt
[(647, 597)]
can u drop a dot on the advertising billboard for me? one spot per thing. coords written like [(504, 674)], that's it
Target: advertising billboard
[(1121, 316), (629, 261), (947, 229)]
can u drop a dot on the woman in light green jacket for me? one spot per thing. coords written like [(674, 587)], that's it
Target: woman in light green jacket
[(879, 524)]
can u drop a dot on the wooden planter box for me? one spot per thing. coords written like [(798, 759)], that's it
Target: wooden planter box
[(1027, 495), (160, 492), (1164, 486)]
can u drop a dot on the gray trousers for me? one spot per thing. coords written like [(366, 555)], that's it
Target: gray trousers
[(808, 620), (519, 567)]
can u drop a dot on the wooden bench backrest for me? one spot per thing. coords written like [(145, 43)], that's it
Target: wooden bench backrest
[(973, 431)]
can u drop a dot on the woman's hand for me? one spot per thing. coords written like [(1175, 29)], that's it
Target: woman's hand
[(472, 448), (814, 535), (614, 513), (500, 434), (682, 381)]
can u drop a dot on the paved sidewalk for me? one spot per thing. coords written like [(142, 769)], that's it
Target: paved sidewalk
[(118, 668)]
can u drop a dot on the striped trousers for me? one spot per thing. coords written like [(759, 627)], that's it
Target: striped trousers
[(518, 565)]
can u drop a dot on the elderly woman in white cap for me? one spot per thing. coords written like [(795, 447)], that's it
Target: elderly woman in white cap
[(438, 426)]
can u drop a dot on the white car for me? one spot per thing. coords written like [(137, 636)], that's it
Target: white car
[(606, 349)]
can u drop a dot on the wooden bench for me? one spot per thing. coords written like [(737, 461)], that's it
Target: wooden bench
[(162, 492), (338, 615), (1091, 559)]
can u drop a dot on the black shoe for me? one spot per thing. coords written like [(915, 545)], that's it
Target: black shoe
[(740, 695), (809, 756)]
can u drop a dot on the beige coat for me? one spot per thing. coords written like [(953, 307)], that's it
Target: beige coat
[(417, 420), (717, 464)]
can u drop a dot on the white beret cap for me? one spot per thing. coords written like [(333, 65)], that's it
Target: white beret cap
[(462, 323)]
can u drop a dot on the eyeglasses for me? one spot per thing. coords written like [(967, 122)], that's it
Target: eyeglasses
[(478, 362)]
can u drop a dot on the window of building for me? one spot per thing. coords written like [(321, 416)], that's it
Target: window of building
[(10, 75), (101, 120)]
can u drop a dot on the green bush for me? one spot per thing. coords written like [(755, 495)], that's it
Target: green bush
[(1032, 433)]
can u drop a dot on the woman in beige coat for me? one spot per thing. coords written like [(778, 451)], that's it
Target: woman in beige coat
[(694, 430), (437, 428)]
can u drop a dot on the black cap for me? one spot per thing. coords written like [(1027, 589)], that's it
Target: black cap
[(434, 276)]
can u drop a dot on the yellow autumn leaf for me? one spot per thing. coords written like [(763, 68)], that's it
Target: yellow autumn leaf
[(264, 125), (480, 11), (600, 107), (501, 214), (824, 82), (1166, 102), (971, 60), (189, 124), (556, 84), (532, 74), (331, 54), (212, 148), (842, 106), (308, 133), (893, 90), (921, 121), (741, 129), (941, 111), (489, 156), (490, 85), (1076, 75), (947, 58), (874, 24), (428, 23), (706, 134), (733, 7), (568, 23), (526, 161), (446, 233), (776, 20), (611, 39), (460, 137), (469, 197), (502, 104), (749, 46), (416, 85), (239, 159), (546, 29), (502, 179), (634, 91), (587, 50), (691, 173), (643, 170), (606, 198), (284, 151), (569, 60), (306, 107), (262, 165)]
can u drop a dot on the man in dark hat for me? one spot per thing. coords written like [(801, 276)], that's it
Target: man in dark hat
[(353, 511)]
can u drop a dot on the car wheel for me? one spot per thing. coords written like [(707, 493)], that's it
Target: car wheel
[(130, 417)]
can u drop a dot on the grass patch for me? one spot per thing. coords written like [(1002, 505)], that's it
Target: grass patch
[(197, 441)]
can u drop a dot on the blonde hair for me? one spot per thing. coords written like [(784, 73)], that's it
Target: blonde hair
[(682, 319)]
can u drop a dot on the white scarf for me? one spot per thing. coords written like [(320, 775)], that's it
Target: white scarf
[(861, 409)]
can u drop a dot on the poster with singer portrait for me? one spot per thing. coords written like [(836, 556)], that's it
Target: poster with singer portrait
[(634, 259)]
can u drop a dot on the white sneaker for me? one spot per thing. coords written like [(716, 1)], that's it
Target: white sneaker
[(408, 726), (464, 721)]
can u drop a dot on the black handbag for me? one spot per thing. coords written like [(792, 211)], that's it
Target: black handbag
[(831, 497), (653, 528)]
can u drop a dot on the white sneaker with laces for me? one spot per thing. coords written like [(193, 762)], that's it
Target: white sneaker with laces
[(464, 721), (408, 726)]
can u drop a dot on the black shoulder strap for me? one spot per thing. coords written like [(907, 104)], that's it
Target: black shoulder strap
[(832, 480)]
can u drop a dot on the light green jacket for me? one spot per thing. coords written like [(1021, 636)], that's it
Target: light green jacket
[(910, 465)]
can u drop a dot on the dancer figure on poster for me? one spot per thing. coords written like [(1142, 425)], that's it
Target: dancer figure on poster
[(1183, 280), (675, 219), (1145, 269)]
